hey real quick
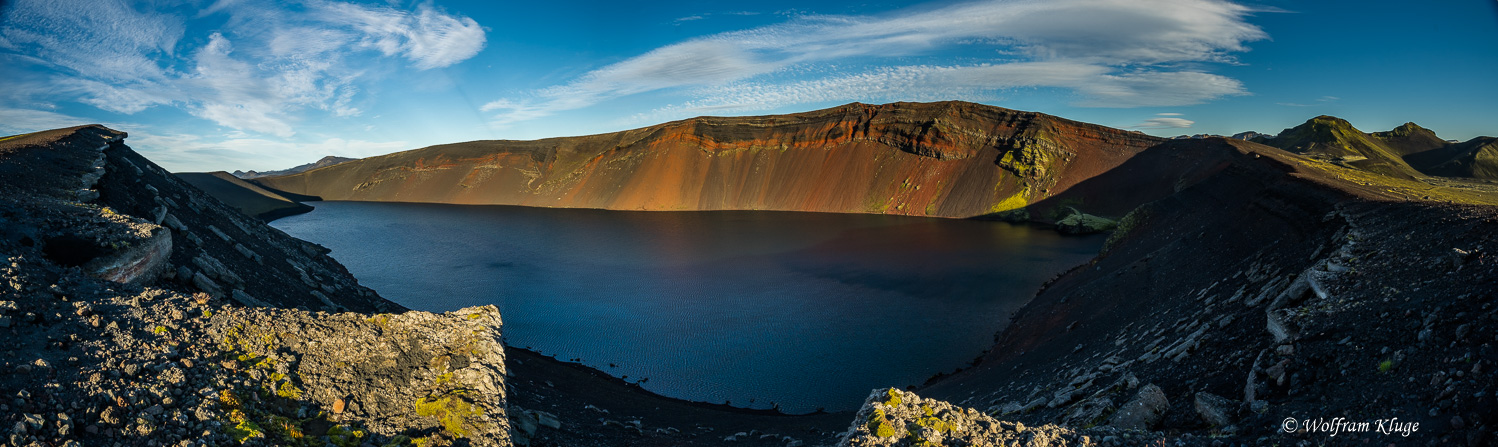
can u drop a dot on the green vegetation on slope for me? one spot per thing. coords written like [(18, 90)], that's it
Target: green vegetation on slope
[(1334, 139)]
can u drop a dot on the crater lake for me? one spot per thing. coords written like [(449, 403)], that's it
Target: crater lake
[(754, 308)]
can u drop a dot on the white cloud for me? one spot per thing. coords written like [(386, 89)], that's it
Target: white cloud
[(283, 61), (935, 83), (1158, 88), (429, 38), (181, 152), (1169, 114), (120, 98), (1165, 123), (1125, 53), (232, 94), (19, 121)]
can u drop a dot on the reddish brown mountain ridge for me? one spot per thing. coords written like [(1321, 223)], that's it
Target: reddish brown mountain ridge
[(946, 159)]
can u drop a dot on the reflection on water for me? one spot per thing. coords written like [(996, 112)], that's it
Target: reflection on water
[(800, 310)]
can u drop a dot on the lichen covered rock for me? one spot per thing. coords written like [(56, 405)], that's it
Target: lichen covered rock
[(1082, 223), (125, 322), (416, 375), (891, 417)]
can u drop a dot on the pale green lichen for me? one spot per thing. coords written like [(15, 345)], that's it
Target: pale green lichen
[(289, 391), (451, 410), (240, 427), (893, 398), (879, 425), (345, 436)]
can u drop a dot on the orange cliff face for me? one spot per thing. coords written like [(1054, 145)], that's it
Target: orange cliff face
[(948, 159)]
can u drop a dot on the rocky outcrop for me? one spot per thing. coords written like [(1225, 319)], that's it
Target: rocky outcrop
[(948, 159), (418, 376), (1082, 223), (891, 417), (215, 247), (140, 311)]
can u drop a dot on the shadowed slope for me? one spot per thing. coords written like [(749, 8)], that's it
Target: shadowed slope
[(1409, 139), (251, 199), (1244, 291), (1476, 158)]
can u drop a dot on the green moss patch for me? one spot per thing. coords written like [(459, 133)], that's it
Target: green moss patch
[(451, 410)]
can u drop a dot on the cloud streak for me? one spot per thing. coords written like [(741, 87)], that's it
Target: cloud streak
[(1165, 123), (934, 83), (1319, 101), (1111, 53)]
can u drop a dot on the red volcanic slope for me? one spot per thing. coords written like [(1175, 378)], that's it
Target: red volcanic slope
[(947, 159)]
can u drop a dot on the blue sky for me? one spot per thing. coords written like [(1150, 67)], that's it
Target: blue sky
[(256, 84)]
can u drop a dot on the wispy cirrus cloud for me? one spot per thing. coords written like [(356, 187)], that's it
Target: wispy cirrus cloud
[(1112, 53), (934, 83), (1169, 121), (106, 40), (266, 65), (705, 15), (1321, 100)]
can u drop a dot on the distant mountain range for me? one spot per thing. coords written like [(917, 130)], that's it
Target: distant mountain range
[(1408, 151), (1237, 136), (323, 162)]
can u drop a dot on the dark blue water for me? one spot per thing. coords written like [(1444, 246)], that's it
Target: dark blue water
[(800, 310)]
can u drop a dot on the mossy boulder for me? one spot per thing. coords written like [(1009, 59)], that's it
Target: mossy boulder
[(1082, 223), (891, 417)]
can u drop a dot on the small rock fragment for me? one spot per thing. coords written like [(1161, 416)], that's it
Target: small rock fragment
[(1144, 412)]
